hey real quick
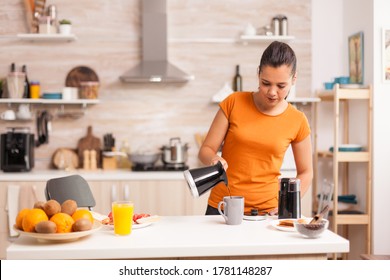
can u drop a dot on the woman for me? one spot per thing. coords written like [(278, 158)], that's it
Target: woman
[(256, 128)]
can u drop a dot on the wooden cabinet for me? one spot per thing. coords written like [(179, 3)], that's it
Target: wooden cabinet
[(164, 198), (343, 161)]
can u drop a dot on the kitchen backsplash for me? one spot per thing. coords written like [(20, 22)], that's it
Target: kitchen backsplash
[(108, 42)]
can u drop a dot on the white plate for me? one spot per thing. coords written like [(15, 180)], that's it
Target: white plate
[(135, 226), (275, 224), (61, 237), (255, 218)]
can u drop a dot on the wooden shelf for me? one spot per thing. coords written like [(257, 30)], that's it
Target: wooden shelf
[(345, 94), (341, 176), (46, 37), (353, 219), (264, 38), (241, 39), (83, 102), (346, 156)]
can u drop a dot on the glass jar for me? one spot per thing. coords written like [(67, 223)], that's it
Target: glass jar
[(47, 25), (89, 90), (35, 89)]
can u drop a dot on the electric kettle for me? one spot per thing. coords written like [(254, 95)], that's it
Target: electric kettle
[(202, 179)]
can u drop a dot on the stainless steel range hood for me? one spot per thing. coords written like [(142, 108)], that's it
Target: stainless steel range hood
[(155, 66)]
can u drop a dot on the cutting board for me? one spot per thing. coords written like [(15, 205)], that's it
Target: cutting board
[(80, 74), (64, 158), (89, 142)]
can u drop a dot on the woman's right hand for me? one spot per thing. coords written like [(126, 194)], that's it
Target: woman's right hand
[(215, 160)]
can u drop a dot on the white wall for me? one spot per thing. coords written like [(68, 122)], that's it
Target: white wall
[(333, 22), (381, 156)]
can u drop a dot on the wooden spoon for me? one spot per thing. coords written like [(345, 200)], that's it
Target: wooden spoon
[(317, 218)]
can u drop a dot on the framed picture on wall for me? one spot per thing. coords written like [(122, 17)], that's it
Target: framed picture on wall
[(356, 59), (386, 55)]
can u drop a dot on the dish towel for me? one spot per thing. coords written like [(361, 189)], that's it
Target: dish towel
[(18, 197)]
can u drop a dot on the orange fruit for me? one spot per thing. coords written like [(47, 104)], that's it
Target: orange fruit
[(82, 213), (19, 218), (63, 221), (33, 217)]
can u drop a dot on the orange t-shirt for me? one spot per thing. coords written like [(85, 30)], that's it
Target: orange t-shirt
[(254, 149)]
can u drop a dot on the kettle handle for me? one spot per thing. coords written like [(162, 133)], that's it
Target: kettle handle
[(173, 145), (171, 141)]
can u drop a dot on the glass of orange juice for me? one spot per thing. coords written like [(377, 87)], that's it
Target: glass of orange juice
[(122, 212)]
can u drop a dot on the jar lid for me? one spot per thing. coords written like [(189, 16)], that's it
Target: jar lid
[(89, 83), (34, 82)]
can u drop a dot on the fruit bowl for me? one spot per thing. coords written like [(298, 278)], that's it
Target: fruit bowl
[(60, 237), (311, 230)]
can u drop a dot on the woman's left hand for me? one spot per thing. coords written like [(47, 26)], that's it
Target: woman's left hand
[(273, 212)]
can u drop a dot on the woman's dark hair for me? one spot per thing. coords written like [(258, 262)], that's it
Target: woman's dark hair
[(278, 54)]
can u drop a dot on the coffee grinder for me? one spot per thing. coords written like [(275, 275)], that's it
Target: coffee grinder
[(289, 198), (202, 179)]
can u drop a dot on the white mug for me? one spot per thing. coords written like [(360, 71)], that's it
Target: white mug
[(8, 115), (24, 112), (233, 212), (69, 93)]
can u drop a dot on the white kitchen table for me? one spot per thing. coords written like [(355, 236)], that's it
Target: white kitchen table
[(186, 237)]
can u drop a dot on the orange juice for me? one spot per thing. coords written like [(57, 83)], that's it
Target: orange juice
[(122, 212)]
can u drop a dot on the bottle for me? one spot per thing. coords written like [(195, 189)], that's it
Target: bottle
[(237, 80), (26, 93), (124, 161), (276, 26), (284, 26)]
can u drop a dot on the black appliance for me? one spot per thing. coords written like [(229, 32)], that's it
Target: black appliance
[(17, 150), (202, 179), (164, 167), (289, 198)]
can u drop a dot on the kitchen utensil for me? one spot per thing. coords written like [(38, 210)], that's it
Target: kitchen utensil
[(233, 209), (318, 218), (8, 115), (202, 179), (282, 204), (289, 198), (80, 74), (60, 237), (148, 159), (311, 230), (15, 83), (175, 152), (23, 112), (89, 90), (64, 158), (43, 125), (348, 148), (89, 142)]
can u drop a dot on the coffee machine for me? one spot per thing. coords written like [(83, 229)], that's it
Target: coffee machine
[(17, 150)]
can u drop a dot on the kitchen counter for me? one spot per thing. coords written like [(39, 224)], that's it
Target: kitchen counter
[(101, 175), (97, 175), (186, 237)]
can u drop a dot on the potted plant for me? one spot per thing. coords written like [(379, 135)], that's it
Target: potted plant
[(65, 26)]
